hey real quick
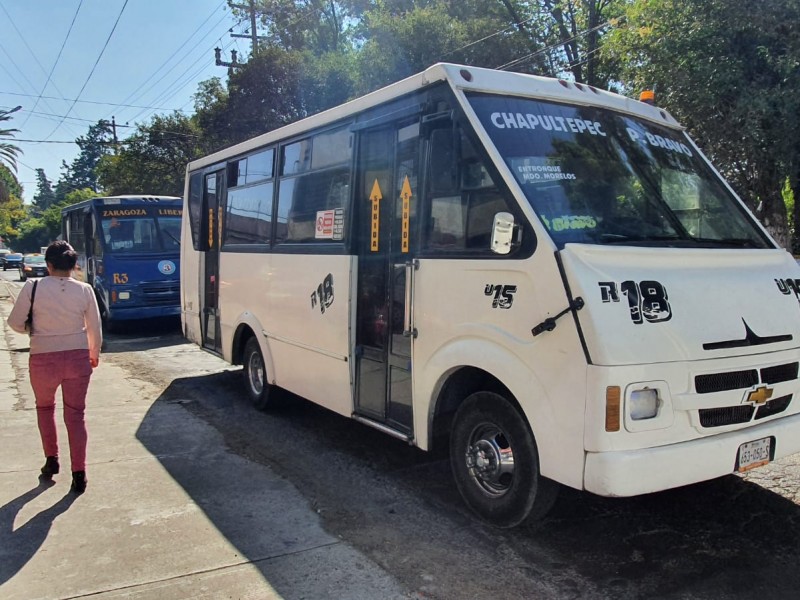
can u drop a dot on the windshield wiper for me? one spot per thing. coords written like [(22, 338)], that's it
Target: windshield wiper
[(735, 242), (618, 238), (177, 241)]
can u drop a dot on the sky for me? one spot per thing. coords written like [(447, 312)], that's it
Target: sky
[(70, 63)]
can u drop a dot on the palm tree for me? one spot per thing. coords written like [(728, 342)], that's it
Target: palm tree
[(8, 151)]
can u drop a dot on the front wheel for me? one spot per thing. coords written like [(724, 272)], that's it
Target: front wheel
[(255, 375), (496, 464)]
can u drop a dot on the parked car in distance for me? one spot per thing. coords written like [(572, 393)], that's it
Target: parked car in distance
[(33, 265), (12, 260)]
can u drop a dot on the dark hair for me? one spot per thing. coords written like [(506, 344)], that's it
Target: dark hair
[(61, 256)]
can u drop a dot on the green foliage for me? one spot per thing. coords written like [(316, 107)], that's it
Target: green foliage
[(9, 185), (12, 214), (153, 160), (729, 72), (8, 151), (45, 196), (98, 142), (38, 231)]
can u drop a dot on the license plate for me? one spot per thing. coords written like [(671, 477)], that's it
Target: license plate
[(753, 454)]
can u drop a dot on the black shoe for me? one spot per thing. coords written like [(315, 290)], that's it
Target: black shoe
[(50, 467), (78, 482)]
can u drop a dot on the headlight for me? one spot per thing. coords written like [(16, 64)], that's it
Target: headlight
[(644, 404), (124, 295)]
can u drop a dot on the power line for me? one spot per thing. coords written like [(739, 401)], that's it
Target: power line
[(146, 81), (12, 61), (522, 59), (483, 39), (85, 83), (86, 101), (61, 50)]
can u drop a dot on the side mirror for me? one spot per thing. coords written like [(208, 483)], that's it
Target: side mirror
[(502, 233)]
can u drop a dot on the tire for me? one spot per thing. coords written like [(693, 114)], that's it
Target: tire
[(496, 464), (255, 375)]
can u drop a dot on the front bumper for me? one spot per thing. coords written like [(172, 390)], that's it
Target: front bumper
[(642, 471)]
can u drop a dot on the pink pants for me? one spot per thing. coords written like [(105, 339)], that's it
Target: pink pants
[(70, 370)]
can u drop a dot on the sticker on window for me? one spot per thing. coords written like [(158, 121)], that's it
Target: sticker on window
[(330, 224), (537, 170)]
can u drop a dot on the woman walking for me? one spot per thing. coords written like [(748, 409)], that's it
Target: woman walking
[(66, 336)]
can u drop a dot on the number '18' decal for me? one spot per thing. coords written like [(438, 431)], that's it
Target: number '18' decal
[(647, 300)]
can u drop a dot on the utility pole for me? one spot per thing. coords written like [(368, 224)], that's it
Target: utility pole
[(254, 37)]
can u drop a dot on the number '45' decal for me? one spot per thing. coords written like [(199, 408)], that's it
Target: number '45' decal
[(647, 300)]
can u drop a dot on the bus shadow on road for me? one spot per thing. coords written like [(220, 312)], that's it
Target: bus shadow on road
[(726, 538), (144, 334)]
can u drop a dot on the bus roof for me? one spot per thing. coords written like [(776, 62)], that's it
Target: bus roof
[(459, 77), (127, 199)]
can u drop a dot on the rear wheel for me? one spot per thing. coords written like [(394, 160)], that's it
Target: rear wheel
[(255, 375), (496, 464)]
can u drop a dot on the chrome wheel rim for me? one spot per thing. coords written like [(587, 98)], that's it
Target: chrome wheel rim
[(490, 460), (255, 373)]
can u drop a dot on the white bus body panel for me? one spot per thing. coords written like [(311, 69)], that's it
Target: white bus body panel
[(711, 293), (646, 470), (305, 349), (546, 374)]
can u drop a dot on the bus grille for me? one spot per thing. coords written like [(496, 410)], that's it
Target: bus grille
[(738, 380), (779, 373), (733, 415), (723, 382), (729, 415), (161, 292), (773, 407)]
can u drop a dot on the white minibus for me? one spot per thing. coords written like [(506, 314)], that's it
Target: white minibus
[(549, 278)]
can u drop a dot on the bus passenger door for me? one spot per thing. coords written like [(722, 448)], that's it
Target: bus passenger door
[(209, 315), (387, 198)]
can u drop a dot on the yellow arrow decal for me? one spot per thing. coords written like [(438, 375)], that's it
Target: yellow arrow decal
[(375, 196), (405, 196)]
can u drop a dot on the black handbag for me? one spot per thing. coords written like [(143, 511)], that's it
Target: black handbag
[(29, 320)]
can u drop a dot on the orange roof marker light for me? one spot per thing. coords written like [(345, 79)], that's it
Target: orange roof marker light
[(648, 97)]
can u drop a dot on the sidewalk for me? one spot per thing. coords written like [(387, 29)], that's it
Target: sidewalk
[(137, 533)]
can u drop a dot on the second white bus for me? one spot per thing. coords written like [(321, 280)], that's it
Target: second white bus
[(550, 278)]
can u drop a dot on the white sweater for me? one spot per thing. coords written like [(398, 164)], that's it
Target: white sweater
[(65, 316)]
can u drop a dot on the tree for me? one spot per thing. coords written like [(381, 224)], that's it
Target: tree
[(12, 212), (9, 185), (98, 142), (263, 94), (37, 231), (317, 26), (8, 151), (728, 71), (45, 196), (153, 160)]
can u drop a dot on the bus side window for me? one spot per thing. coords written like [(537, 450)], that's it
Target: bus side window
[(463, 196), (196, 213)]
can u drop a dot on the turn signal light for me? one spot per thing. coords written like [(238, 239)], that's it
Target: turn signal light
[(613, 397)]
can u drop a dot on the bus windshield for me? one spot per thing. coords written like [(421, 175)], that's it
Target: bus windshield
[(135, 230), (594, 176)]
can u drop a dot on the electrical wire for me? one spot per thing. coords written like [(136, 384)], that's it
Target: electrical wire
[(85, 83), (86, 101), (139, 88), (60, 51), (521, 60)]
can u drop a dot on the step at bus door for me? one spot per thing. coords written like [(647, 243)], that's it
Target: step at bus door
[(213, 206), (387, 200)]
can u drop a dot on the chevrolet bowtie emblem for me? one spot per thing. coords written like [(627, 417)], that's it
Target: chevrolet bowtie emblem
[(759, 395)]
